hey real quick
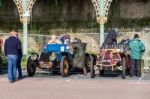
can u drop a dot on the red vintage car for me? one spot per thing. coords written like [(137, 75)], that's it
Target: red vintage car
[(112, 58)]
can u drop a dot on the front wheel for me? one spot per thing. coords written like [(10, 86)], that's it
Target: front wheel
[(64, 66), (31, 67)]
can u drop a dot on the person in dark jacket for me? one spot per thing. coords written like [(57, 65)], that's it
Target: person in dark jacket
[(111, 38), (11, 48), (137, 48), (125, 42)]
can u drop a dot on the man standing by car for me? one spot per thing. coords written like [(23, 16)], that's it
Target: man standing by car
[(11, 48), (137, 48)]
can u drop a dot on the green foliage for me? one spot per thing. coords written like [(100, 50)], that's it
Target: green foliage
[(24, 62), (128, 22), (3, 62), (25, 58), (45, 27), (31, 51)]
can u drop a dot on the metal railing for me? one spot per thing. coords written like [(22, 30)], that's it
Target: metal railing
[(36, 42)]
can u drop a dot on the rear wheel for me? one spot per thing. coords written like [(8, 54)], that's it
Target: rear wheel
[(64, 66), (123, 67), (31, 67)]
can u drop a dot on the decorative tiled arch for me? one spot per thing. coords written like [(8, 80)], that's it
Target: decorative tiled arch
[(107, 3), (100, 19), (19, 5)]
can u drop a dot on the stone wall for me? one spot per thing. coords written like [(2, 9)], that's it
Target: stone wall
[(135, 9), (78, 14), (51, 10), (68, 10), (63, 10)]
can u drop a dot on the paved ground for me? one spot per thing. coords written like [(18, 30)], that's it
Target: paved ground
[(77, 86)]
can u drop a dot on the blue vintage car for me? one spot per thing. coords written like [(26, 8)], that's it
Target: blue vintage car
[(60, 58)]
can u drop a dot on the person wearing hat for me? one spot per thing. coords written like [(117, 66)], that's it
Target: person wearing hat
[(111, 39), (137, 48), (11, 47)]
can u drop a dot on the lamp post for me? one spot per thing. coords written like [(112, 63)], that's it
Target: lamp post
[(101, 7), (25, 27), (24, 9)]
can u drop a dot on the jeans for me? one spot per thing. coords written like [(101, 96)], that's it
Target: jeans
[(12, 64), (19, 66), (135, 67)]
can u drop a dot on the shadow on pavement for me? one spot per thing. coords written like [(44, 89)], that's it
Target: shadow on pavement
[(111, 74), (54, 74)]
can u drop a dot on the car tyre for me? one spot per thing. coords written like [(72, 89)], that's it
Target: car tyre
[(64, 66), (31, 67)]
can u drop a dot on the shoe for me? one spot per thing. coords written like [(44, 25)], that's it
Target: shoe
[(131, 75), (11, 81), (138, 76), (19, 78)]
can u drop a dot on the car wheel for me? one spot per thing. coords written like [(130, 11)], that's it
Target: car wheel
[(31, 67), (64, 66)]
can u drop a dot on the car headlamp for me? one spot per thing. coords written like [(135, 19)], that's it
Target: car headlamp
[(34, 57), (52, 57)]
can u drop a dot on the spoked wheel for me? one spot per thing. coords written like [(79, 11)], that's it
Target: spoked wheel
[(91, 65), (123, 67), (64, 66), (31, 67)]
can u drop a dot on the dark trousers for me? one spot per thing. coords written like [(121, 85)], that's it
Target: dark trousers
[(135, 67), (19, 66)]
